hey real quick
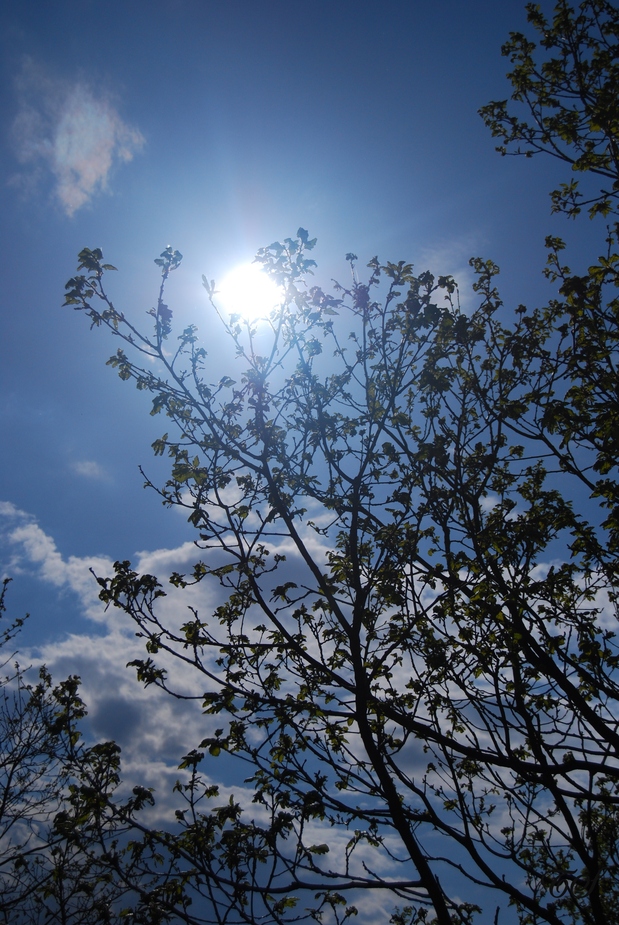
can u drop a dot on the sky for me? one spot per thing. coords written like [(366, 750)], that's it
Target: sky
[(216, 126)]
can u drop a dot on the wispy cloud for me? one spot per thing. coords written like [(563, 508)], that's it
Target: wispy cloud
[(451, 258), (90, 469), (33, 550), (69, 130)]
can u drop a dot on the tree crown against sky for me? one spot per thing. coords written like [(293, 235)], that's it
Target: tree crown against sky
[(410, 543), (568, 96), (408, 518), (47, 773)]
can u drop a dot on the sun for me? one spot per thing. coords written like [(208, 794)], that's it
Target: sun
[(247, 291)]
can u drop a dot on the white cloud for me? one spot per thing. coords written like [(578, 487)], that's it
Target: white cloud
[(90, 469), (8, 509), (153, 729), (30, 545), (156, 560), (71, 131)]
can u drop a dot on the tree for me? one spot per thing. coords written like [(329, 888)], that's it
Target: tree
[(52, 868), (29, 777), (411, 516), (571, 98)]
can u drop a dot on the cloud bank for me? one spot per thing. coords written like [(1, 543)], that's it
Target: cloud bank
[(153, 729), (70, 131)]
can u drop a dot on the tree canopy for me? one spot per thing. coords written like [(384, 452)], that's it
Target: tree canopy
[(568, 95), (52, 871), (408, 515)]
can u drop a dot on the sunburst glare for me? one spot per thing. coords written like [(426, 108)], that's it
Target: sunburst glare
[(247, 291)]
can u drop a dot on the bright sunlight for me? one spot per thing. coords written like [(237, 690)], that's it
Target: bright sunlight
[(248, 292)]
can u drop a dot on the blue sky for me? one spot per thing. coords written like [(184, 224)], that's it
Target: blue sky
[(220, 127), (216, 126)]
